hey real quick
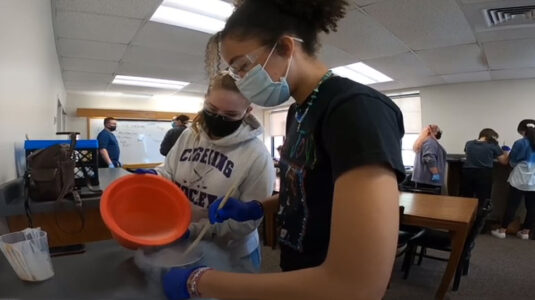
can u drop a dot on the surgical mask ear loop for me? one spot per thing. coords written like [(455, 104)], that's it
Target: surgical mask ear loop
[(269, 56), (289, 64)]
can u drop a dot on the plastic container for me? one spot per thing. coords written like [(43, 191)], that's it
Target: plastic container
[(145, 211), (27, 253), (157, 261)]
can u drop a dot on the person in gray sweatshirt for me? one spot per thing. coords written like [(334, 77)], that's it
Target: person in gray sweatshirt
[(430, 161), (220, 150)]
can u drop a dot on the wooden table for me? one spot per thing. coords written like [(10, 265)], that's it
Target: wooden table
[(454, 214)]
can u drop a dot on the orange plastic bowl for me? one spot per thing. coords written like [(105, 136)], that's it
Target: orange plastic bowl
[(145, 210)]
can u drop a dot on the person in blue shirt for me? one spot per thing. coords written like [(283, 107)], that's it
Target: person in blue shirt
[(521, 181), (108, 145), (477, 169)]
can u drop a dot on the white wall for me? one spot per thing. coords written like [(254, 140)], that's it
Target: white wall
[(30, 77), (185, 103), (182, 103), (462, 110)]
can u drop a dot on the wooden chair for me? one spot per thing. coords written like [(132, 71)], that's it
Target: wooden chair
[(440, 240), (271, 208)]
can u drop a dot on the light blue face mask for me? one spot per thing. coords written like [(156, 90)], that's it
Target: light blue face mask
[(258, 87)]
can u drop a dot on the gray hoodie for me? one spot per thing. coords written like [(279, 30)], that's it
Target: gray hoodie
[(205, 169)]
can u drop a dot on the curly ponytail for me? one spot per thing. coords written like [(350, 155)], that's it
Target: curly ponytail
[(268, 20)]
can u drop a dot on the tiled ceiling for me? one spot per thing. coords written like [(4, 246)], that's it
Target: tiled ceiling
[(415, 42)]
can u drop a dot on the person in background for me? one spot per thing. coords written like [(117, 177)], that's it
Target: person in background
[(108, 145), (178, 126), (477, 169), (276, 161), (340, 167), (221, 150), (521, 181), (430, 161)]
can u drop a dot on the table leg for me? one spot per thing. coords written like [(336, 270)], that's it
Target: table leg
[(458, 238)]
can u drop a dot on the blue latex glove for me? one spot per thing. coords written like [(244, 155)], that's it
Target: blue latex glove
[(435, 178), (236, 210), (506, 148), (146, 171), (112, 166), (175, 283)]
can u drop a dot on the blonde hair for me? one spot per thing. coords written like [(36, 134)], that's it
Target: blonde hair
[(220, 81)]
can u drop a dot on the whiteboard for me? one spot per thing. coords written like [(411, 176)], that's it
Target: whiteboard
[(139, 141)]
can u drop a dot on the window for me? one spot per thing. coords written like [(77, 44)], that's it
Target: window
[(410, 105), (277, 130)]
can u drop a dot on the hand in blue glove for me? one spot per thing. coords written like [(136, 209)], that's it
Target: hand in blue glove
[(146, 171), (175, 283), (236, 210), (435, 178), (506, 148), (112, 166)]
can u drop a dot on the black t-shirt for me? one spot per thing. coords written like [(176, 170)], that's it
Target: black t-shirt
[(481, 154), (348, 125), (170, 139)]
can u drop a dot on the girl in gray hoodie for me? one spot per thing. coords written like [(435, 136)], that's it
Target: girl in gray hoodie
[(222, 149)]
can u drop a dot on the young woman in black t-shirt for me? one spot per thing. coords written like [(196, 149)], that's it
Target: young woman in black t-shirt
[(340, 163), (477, 169)]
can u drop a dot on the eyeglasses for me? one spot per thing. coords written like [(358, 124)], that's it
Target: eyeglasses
[(211, 113), (245, 63)]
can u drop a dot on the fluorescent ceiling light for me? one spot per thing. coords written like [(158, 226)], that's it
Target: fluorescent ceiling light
[(149, 82), (361, 72), (202, 15)]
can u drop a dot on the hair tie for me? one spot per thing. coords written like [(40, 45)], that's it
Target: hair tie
[(530, 125)]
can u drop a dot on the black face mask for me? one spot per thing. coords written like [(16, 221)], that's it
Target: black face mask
[(217, 126), (112, 128)]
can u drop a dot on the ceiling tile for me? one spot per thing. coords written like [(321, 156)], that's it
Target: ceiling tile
[(89, 49), (513, 73), (144, 70), (85, 86), (476, 1), (140, 90), (423, 81), (388, 86), (456, 59), (401, 66), (424, 24), (172, 38), (473, 11), (139, 9), (95, 27), (467, 77), (86, 76), (165, 59), (506, 34), (361, 36), (334, 57), (510, 54), (88, 65)]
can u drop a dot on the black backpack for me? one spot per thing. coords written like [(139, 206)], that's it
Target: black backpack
[(50, 177)]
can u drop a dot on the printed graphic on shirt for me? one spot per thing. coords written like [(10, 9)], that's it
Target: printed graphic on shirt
[(296, 158), (205, 162), (209, 157)]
